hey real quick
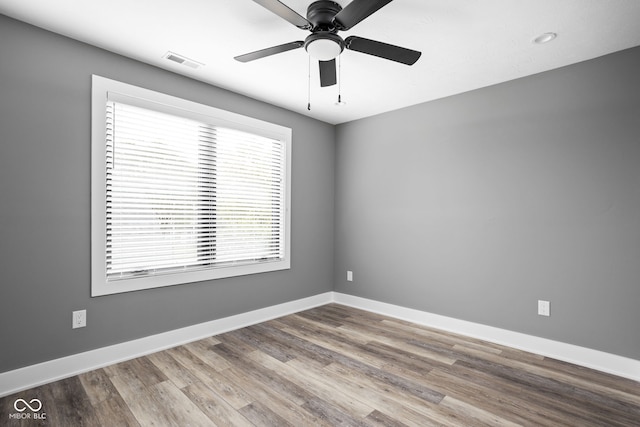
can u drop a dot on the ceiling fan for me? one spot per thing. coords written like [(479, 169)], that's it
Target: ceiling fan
[(324, 20)]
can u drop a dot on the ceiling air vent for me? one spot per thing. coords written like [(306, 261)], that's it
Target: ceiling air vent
[(183, 60)]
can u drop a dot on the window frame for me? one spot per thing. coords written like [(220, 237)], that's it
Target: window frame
[(104, 89)]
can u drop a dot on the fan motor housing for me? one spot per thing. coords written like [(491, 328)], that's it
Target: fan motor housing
[(321, 13)]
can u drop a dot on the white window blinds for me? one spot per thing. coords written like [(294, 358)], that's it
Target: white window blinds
[(185, 195)]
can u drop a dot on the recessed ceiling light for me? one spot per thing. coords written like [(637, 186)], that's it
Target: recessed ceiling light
[(545, 38)]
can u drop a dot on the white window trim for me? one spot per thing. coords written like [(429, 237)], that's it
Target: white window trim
[(101, 87)]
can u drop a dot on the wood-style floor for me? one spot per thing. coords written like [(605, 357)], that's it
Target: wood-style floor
[(336, 366)]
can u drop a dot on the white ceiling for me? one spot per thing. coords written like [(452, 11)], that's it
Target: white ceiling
[(465, 44)]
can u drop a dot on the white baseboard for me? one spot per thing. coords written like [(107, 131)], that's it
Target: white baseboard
[(594, 359), (53, 370)]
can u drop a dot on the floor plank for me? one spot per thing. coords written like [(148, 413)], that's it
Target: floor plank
[(214, 406), (97, 386), (115, 412), (335, 365)]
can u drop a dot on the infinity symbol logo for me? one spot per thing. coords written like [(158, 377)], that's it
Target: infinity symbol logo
[(27, 405)]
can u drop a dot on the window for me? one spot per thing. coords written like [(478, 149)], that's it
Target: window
[(183, 192)]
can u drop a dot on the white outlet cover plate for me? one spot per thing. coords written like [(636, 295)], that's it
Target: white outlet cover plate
[(79, 319), (543, 308)]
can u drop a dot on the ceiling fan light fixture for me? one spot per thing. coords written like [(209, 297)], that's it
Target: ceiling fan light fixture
[(325, 18), (324, 47), (323, 50)]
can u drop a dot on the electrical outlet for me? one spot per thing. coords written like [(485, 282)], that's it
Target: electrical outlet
[(543, 308), (349, 276), (79, 319)]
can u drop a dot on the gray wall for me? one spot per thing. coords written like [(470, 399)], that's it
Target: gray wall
[(45, 83), (477, 205)]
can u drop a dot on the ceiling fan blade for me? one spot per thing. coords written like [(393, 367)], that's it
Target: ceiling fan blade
[(285, 12), (382, 50), (356, 11), (269, 51), (328, 73)]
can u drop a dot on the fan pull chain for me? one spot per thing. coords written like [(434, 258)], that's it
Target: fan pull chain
[(339, 79), (340, 103), (309, 85)]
